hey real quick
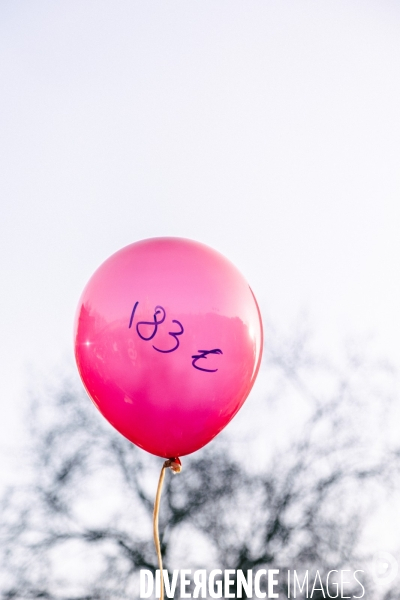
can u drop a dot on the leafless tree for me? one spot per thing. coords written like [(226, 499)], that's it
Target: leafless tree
[(295, 489)]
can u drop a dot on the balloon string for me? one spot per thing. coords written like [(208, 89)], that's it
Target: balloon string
[(175, 465)]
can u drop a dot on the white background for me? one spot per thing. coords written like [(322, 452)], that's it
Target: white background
[(269, 130)]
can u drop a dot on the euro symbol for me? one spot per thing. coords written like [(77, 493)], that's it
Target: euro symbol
[(204, 354)]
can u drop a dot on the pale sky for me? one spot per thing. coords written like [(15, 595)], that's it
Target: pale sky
[(269, 130)]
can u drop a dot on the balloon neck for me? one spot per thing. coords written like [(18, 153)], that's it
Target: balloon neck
[(174, 464)]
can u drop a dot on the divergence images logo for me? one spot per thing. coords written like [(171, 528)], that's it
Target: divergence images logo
[(385, 568)]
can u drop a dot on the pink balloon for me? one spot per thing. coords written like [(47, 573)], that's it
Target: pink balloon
[(168, 343)]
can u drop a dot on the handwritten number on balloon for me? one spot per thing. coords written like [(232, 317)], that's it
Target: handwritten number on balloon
[(203, 354), (174, 334), (155, 323), (159, 310), (133, 314)]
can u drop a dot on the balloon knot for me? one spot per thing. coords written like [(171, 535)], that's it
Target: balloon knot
[(174, 464)]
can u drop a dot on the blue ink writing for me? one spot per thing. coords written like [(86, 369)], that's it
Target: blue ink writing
[(203, 354), (133, 314), (174, 334), (159, 318), (155, 323)]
